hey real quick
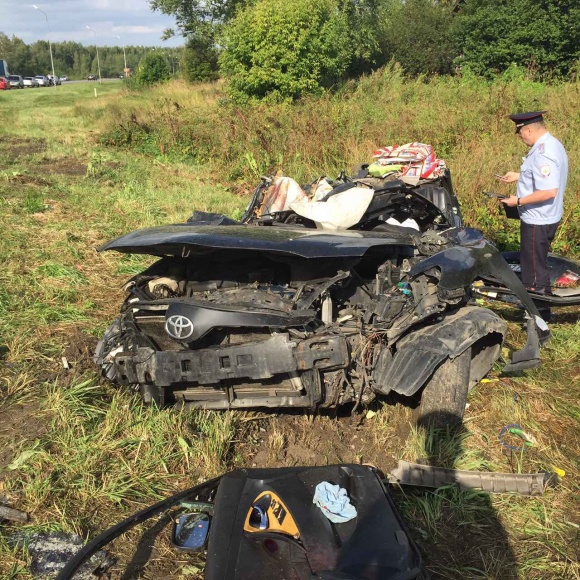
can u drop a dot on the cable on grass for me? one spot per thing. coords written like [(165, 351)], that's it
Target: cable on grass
[(517, 430)]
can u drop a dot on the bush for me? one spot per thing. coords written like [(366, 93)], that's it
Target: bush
[(542, 37), (278, 50), (417, 35), (465, 118), (152, 69), (199, 60)]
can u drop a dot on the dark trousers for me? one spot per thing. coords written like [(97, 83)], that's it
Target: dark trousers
[(535, 244)]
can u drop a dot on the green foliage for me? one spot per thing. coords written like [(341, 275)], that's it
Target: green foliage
[(199, 60), (33, 202), (543, 37), (199, 22), (424, 36), (366, 23), (417, 35), (278, 50), (97, 167), (152, 69), (197, 17)]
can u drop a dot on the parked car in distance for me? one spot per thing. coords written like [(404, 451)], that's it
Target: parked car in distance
[(64, 78), (15, 82), (42, 80), (4, 84), (92, 78), (30, 82)]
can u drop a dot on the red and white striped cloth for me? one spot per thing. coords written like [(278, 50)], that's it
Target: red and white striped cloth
[(419, 159)]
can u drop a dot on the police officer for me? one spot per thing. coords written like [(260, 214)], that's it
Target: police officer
[(539, 197)]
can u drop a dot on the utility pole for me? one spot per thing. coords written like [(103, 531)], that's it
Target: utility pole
[(49, 45), (124, 57), (98, 62)]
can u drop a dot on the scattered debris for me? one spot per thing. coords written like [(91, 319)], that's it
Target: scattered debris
[(428, 476), (266, 525), (483, 381), (334, 502), (50, 551), (8, 513), (517, 431)]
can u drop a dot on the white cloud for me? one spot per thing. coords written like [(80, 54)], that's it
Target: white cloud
[(132, 20)]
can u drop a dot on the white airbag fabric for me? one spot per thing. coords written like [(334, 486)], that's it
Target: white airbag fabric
[(341, 211)]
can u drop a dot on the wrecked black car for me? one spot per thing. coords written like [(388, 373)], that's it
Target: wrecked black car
[(363, 288), (264, 523)]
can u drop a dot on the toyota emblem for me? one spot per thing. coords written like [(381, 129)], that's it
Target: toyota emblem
[(179, 327)]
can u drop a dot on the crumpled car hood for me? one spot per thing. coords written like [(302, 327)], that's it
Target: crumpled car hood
[(187, 239)]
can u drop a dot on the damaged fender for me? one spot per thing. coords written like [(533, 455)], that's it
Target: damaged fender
[(461, 265), (420, 352)]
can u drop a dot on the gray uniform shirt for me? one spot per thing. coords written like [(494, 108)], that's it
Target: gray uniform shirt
[(544, 167)]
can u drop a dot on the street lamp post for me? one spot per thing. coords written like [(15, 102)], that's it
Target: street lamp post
[(49, 44), (98, 62), (124, 57)]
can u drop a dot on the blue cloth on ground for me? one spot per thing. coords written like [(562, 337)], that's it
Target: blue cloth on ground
[(334, 502)]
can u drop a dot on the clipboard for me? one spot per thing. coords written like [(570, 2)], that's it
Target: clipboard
[(511, 211)]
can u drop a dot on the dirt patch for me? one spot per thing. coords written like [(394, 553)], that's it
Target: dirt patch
[(20, 179), (289, 440), (17, 147), (14, 149), (66, 166), (75, 359), (79, 351), (19, 424), (146, 552)]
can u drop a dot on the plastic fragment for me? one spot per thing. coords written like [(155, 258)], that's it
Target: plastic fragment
[(429, 476)]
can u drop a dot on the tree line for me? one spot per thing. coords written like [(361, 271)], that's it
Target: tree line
[(277, 50), (76, 60), (280, 50)]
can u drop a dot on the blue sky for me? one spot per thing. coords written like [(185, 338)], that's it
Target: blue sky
[(132, 20)]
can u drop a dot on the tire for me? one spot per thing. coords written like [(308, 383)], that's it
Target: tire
[(444, 397)]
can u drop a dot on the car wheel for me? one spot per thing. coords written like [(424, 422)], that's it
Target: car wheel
[(444, 397)]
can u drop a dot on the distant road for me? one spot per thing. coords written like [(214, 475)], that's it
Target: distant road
[(113, 80)]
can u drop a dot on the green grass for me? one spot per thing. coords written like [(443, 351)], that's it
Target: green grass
[(77, 172)]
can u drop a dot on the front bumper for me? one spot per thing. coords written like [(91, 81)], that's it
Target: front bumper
[(256, 361)]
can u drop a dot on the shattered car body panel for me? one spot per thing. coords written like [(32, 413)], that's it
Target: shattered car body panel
[(419, 353), (276, 313), (374, 545), (564, 281)]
